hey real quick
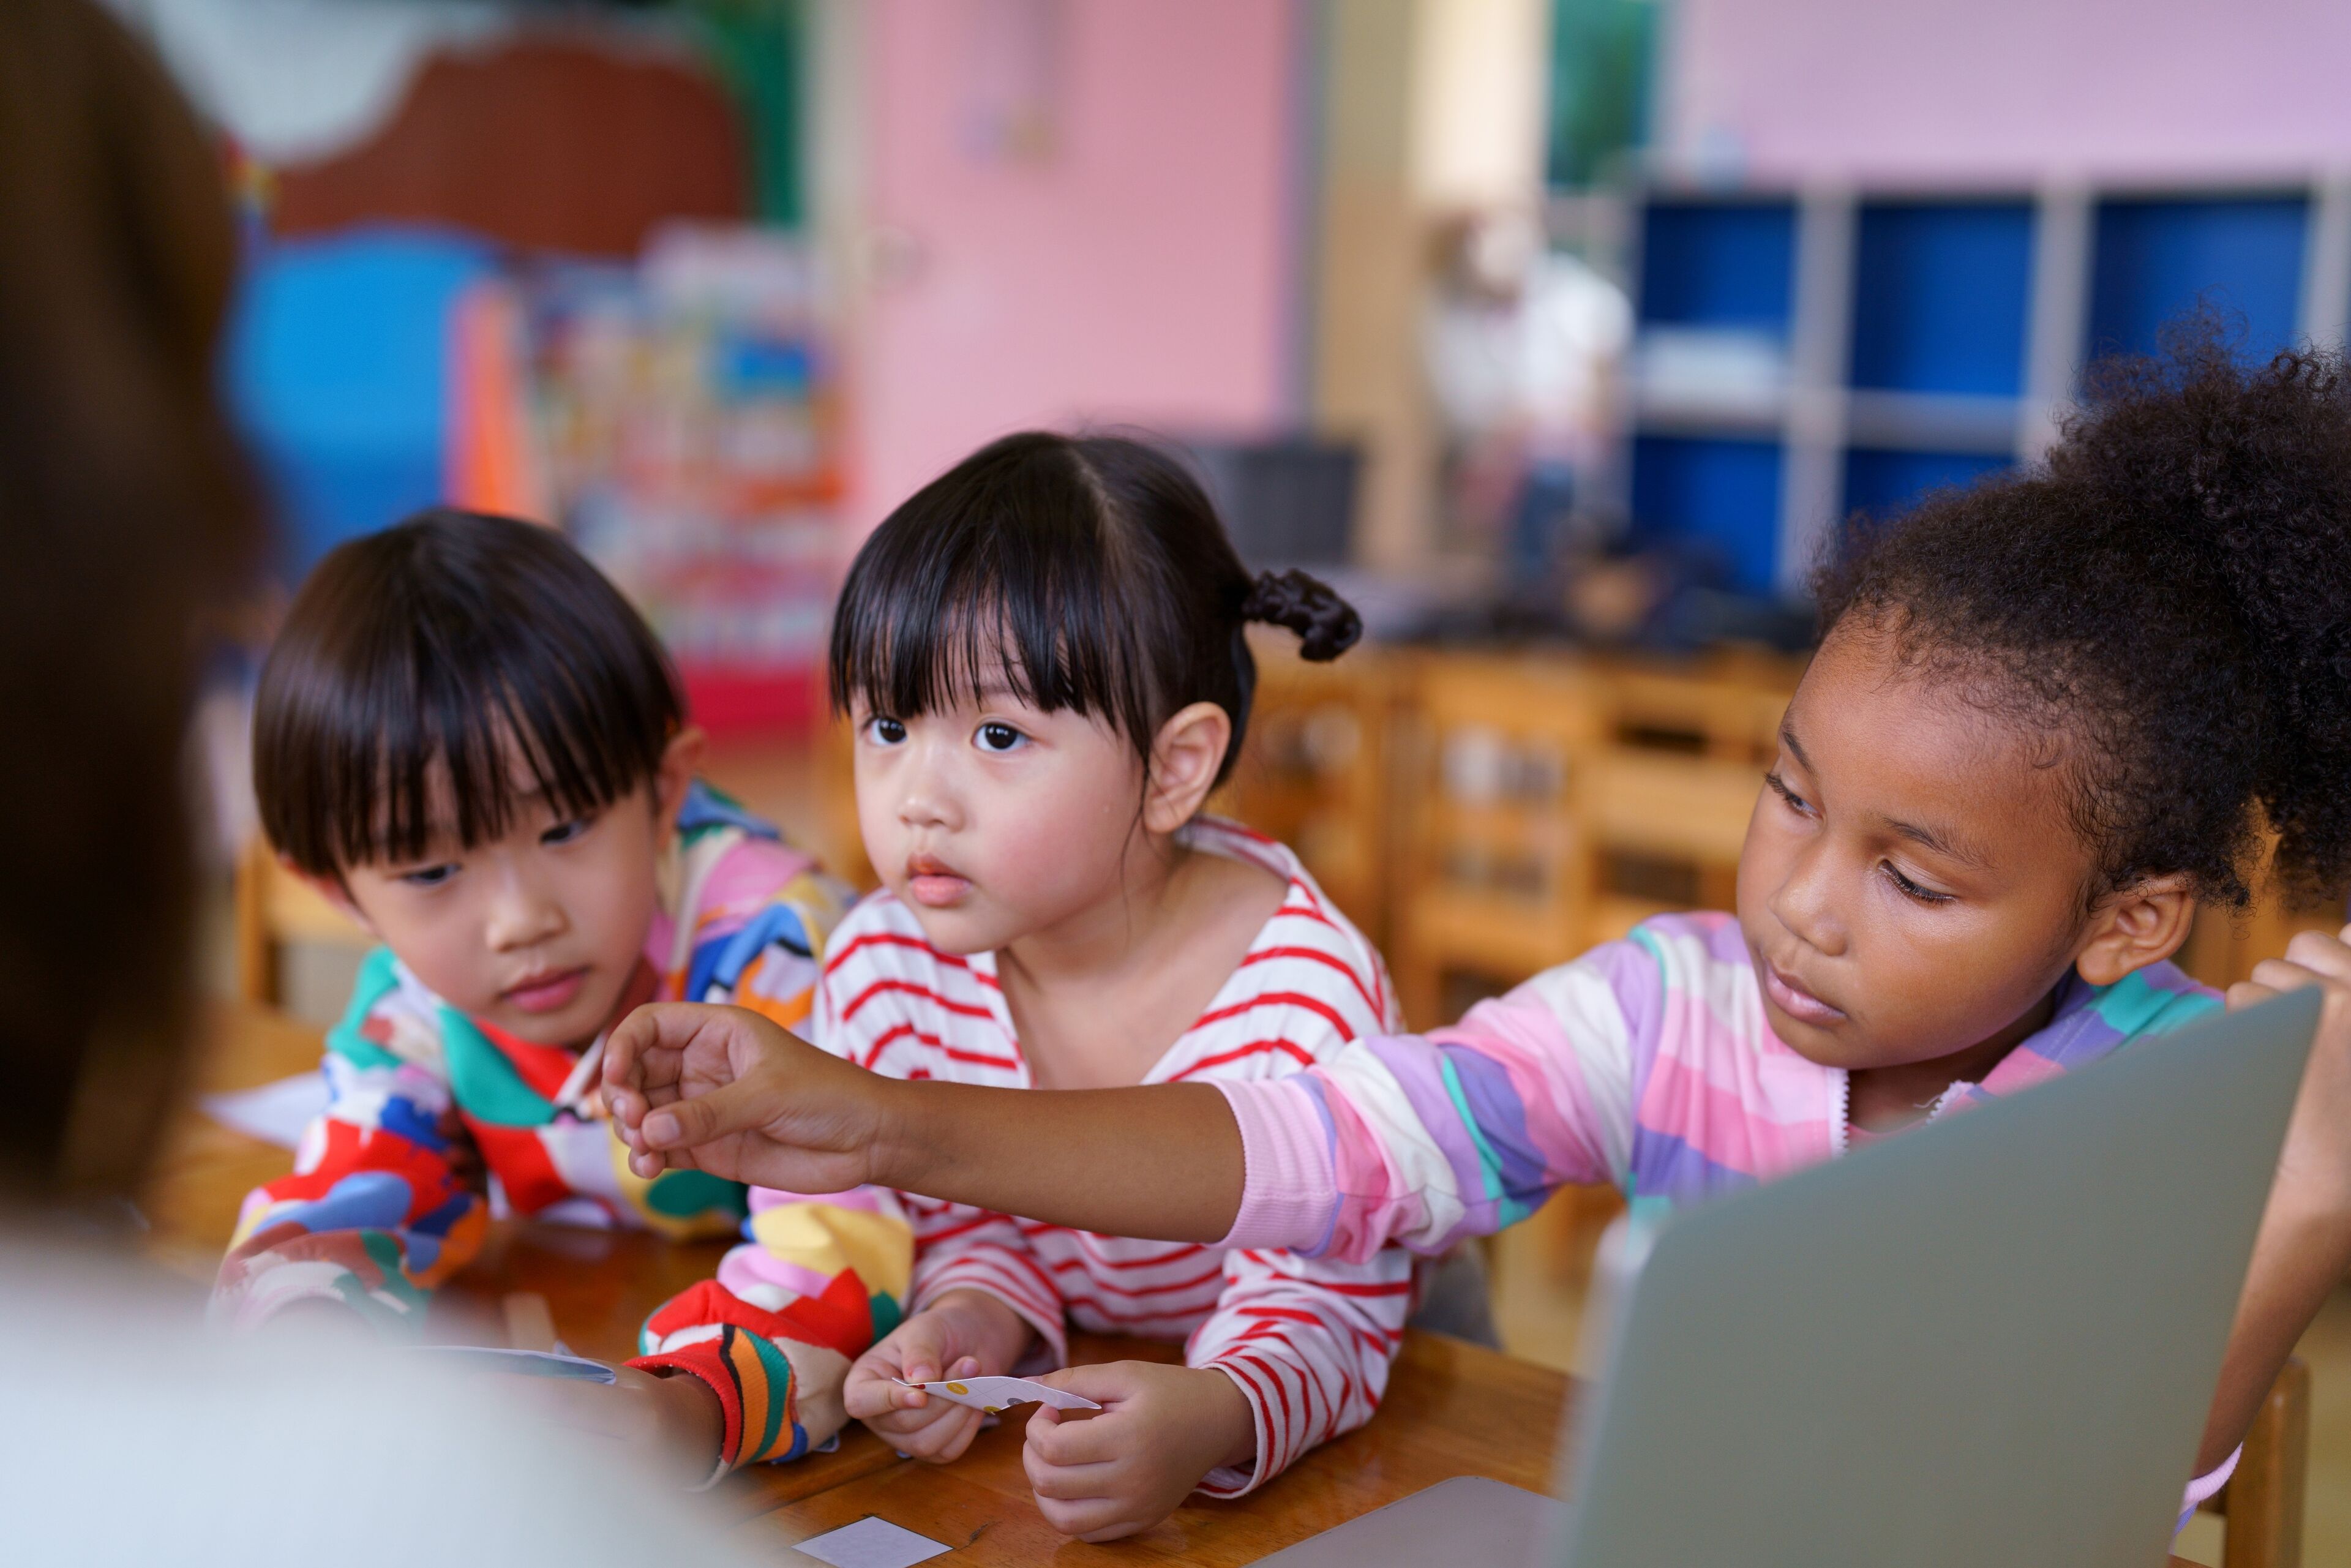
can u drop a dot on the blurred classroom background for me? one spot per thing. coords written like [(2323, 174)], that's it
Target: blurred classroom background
[(1556, 332)]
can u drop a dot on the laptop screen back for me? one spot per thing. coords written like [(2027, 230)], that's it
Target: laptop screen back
[(1990, 1341)]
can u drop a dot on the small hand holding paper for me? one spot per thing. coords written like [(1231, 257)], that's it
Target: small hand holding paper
[(1161, 1429), (963, 1333)]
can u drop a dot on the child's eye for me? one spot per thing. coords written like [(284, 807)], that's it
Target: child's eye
[(430, 875), (565, 832), (885, 730), (1779, 787), (1909, 889), (995, 737)]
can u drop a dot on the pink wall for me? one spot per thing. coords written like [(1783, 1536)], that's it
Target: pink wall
[(1143, 274), (1963, 90)]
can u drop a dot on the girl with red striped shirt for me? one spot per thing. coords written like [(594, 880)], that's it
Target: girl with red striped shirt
[(1043, 654)]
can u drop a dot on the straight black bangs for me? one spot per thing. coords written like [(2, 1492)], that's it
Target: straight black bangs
[(1011, 570), (432, 678)]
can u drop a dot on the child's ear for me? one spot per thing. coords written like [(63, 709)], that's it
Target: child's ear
[(2143, 925), (1185, 758), (334, 892), (681, 760)]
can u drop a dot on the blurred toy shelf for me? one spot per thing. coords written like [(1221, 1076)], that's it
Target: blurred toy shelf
[(1805, 355), (688, 415)]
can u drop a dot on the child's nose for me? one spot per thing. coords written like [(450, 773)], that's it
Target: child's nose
[(523, 915), (926, 795), (1805, 903)]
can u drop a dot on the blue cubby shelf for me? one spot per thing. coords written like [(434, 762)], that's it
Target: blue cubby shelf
[(1719, 499), (1926, 338), (2157, 259), (1881, 483), (1720, 264), (1941, 295)]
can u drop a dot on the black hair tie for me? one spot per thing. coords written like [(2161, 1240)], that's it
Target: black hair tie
[(1326, 624)]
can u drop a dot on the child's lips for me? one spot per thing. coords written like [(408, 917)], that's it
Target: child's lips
[(549, 992), (1797, 1002), (935, 890), (933, 884)]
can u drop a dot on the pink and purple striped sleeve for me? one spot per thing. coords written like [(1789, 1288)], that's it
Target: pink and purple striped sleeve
[(1421, 1140)]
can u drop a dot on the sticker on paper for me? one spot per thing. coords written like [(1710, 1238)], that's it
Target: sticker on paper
[(995, 1394)]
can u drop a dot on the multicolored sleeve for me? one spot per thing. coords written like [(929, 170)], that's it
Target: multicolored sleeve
[(375, 1213), (818, 1281), (761, 914), (1423, 1140)]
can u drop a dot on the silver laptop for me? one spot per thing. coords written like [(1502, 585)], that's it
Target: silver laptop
[(1993, 1340)]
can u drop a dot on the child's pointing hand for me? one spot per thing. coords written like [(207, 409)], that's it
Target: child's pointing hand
[(724, 1091)]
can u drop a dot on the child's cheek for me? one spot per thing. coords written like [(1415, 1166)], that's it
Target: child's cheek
[(1063, 839)]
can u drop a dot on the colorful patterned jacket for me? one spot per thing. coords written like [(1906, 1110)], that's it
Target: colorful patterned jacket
[(437, 1122)]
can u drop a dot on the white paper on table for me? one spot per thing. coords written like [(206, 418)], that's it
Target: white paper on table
[(274, 1112), (994, 1393), (871, 1542)]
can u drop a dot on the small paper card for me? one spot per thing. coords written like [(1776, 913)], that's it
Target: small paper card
[(518, 1363), (871, 1542), (994, 1393), (274, 1112)]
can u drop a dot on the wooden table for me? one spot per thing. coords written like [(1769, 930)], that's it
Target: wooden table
[(1451, 1409)]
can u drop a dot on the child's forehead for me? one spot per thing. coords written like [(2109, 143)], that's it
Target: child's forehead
[(508, 773), (1927, 748), (982, 668), (437, 813)]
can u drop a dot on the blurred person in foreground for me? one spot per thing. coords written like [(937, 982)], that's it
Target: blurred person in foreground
[(126, 520)]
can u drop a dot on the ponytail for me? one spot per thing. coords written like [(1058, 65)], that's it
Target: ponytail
[(1326, 624)]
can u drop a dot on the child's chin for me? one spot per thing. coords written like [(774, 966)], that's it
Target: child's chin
[(1824, 1047), (962, 931), (574, 1023)]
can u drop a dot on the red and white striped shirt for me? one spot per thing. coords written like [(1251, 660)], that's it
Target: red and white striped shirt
[(1307, 1341)]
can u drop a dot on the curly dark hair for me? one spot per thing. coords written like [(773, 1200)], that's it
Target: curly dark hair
[(2168, 599)]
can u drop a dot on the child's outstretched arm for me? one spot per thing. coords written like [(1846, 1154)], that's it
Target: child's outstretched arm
[(2304, 1248), (720, 1090), (1414, 1140)]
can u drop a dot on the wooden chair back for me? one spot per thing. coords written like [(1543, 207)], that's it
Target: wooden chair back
[(2263, 1503), (1672, 793), (1495, 862), (1313, 772), (274, 908), (1555, 803)]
